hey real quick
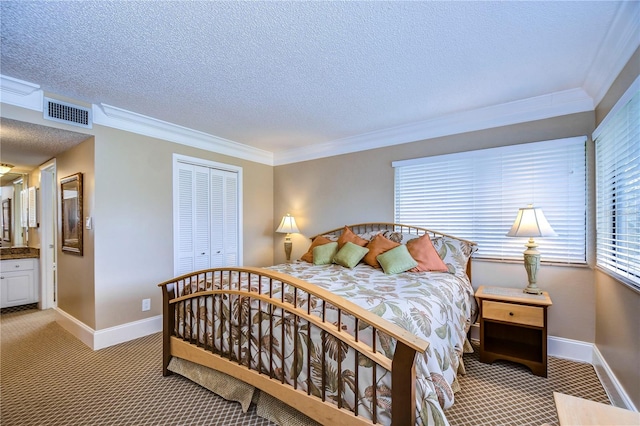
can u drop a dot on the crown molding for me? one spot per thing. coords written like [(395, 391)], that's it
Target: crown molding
[(29, 95), (537, 108), (618, 46), (110, 116), (20, 93)]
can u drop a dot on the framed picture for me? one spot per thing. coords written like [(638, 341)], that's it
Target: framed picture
[(6, 220), (71, 193)]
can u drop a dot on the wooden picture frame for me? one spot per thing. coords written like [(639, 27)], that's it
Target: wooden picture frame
[(6, 220), (71, 207)]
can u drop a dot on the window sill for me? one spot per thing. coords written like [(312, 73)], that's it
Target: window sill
[(622, 280), (542, 262)]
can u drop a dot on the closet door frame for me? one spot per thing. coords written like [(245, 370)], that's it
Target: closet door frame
[(179, 158)]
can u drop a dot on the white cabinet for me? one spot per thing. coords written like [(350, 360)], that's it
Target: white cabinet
[(18, 282)]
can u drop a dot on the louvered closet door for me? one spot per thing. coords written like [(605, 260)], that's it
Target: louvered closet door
[(207, 225), (224, 218), (185, 198)]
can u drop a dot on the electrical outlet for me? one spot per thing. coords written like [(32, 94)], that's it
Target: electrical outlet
[(146, 304)]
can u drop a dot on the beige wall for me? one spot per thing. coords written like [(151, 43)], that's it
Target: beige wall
[(76, 277), (134, 220), (618, 306), (131, 207), (352, 188)]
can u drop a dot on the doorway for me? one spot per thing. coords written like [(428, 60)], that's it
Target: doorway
[(48, 236)]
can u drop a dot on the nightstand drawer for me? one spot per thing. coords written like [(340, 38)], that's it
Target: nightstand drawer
[(517, 314)]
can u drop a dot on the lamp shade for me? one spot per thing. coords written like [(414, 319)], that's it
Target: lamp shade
[(531, 222), (288, 225)]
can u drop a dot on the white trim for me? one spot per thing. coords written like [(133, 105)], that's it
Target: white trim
[(119, 118), (612, 386), (537, 108), (20, 93), (624, 99), (573, 350), (77, 328), (618, 46), (125, 332), (109, 336), (206, 163), (48, 197)]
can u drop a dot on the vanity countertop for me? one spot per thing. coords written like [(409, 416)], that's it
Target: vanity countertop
[(7, 253)]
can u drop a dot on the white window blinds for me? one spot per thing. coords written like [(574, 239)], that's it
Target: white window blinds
[(476, 195), (618, 191)]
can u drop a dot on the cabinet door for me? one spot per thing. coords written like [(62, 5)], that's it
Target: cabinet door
[(17, 288)]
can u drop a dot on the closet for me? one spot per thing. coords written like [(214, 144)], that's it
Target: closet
[(207, 221)]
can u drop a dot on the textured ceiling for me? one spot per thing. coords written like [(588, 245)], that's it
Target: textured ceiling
[(27, 145), (281, 75)]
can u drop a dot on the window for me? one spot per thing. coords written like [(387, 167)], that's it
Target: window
[(477, 194), (617, 142)]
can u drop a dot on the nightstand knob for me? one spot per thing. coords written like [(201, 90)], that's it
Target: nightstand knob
[(510, 314)]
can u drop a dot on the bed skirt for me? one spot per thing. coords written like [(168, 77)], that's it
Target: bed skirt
[(267, 407), (233, 389)]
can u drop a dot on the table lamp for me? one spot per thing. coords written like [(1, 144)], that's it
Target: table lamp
[(531, 223), (288, 226)]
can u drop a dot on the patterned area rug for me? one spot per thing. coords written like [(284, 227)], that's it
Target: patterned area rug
[(48, 377)]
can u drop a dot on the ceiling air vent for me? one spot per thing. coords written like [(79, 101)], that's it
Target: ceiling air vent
[(67, 113)]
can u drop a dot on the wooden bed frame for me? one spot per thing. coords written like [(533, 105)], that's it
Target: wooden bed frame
[(323, 410)]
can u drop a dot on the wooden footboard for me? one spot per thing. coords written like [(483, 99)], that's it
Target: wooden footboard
[(250, 303)]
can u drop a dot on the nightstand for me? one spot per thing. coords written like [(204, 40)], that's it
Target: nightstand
[(513, 327)]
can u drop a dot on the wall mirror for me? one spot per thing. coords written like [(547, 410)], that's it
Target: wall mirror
[(6, 220), (71, 193), (14, 230)]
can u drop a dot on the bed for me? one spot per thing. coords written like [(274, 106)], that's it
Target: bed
[(341, 343)]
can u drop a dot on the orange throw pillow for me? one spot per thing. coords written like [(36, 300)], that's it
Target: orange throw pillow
[(317, 241), (422, 250), (378, 245), (349, 236)]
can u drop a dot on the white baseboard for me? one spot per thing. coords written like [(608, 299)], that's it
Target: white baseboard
[(77, 328), (573, 350), (615, 391), (576, 350), (125, 332), (109, 336)]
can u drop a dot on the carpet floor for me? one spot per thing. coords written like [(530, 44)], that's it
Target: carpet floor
[(48, 377)]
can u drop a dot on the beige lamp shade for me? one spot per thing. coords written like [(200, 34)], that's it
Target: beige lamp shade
[(288, 225), (531, 222)]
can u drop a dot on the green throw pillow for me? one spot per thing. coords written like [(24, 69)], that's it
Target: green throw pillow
[(350, 254), (323, 255), (396, 260)]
